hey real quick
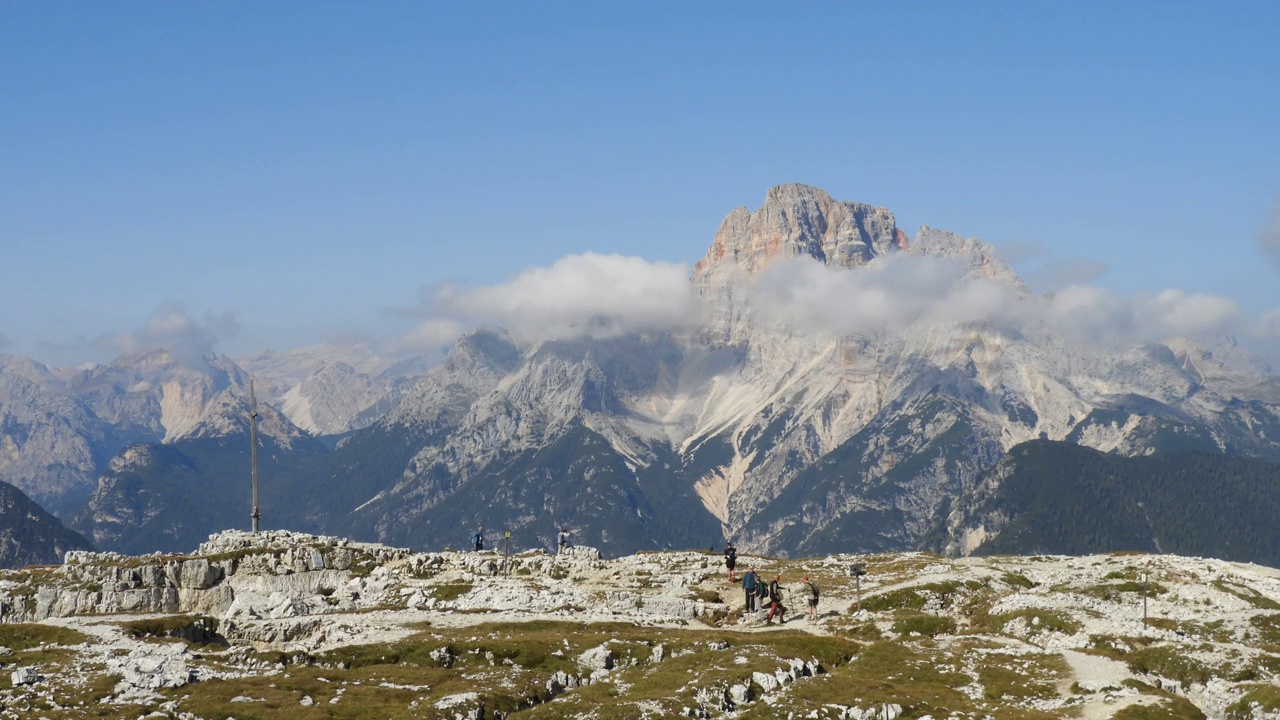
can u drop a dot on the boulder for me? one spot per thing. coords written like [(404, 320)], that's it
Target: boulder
[(767, 683), (597, 658), (151, 672), (25, 676)]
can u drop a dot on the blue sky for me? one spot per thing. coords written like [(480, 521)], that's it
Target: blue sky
[(300, 170)]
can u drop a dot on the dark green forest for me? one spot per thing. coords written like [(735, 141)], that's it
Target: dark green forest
[(1062, 498)]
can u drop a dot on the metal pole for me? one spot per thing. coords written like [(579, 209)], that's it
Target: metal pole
[(1145, 577), (506, 551), (253, 452)]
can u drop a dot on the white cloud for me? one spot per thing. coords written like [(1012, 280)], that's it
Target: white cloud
[(604, 295), (429, 336), (1017, 252), (899, 290), (1269, 238), (1269, 324), (589, 294), (887, 294), (1057, 274), (174, 327), (1099, 316)]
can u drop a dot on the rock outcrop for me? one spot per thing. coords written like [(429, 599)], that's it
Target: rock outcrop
[(480, 634)]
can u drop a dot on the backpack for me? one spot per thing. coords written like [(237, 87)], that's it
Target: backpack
[(762, 589), (813, 589)]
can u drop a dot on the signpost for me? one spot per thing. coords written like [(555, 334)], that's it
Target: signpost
[(506, 553), (857, 570)]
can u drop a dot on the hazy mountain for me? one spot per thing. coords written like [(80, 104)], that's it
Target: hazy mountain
[(156, 394), (170, 496), (58, 428), (51, 444), (330, 389), (29, 535)]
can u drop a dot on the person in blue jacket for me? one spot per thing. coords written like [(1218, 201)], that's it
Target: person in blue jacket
[(749, 580)]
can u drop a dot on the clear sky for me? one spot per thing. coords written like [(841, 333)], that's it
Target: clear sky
[(300, 169)]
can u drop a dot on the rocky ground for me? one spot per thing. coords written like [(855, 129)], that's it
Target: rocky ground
[(282, 625)]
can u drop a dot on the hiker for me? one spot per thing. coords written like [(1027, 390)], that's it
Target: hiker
[(563, 539), (749, 580), (811, 588), (775, 602), (730, 559), (479, 539)]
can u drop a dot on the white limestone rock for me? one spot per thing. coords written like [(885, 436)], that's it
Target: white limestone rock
[(597, 658), (25, 676)]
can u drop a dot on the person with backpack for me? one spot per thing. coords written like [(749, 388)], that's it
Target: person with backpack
[(730, 559), (478, 538), (749, 582), (775, 602), (812, 589), (563, 539)]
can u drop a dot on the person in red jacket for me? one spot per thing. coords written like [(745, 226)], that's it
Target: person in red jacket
[(775, 602)]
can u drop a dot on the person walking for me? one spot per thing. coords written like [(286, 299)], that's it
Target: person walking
[(811, 589), (775, 602), (478, 538), (563, 539), (749, 580), (730, 559)]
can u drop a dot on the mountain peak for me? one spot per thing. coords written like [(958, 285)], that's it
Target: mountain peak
[(795, 220)]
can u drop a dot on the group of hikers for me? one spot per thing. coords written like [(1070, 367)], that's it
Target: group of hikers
[(759, 595), (564, 539), (767, 595)]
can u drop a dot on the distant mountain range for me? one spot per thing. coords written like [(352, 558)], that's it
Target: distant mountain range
[(811, 408)]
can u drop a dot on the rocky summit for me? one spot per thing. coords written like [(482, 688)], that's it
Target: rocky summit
[(289, 625)]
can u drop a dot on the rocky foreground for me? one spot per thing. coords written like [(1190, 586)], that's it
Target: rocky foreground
[(280, 625)]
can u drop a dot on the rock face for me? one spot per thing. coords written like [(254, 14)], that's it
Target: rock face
[(799, 220), (270, 587), (29, 535), (329, 401)]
